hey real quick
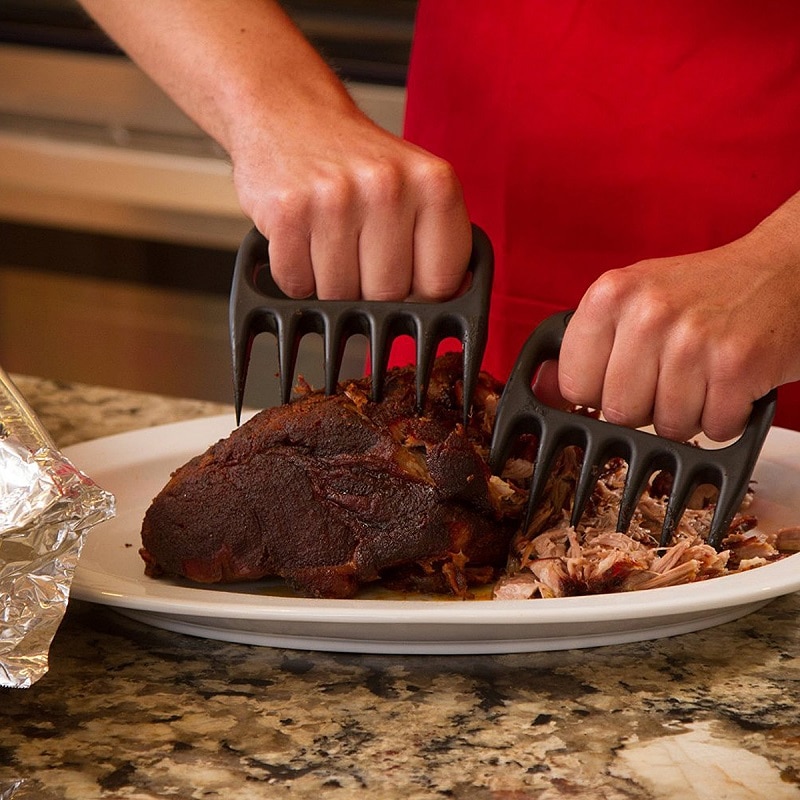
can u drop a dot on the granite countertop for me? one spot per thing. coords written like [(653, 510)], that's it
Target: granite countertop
[(129, 711)]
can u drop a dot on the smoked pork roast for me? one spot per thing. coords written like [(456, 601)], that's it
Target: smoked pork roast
[(332, 493)]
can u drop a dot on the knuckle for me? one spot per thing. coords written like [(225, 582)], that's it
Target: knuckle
[(605, 293), (440, 184), (653, 314), (735, 360), (647, 306), (287, 207), (333, 196), (327, 197), (382, 182)]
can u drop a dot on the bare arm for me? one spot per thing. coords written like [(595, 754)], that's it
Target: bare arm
[(349, 209), (690, 342), (687, 342)]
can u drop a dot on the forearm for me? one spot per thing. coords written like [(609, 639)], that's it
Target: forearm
[(776, 240), (349, 209), (231, 65)]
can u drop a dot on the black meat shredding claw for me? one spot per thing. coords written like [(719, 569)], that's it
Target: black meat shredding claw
[(257, 305), (728, 468)]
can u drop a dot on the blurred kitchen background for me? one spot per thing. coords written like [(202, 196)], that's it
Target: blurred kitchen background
[(118, 220)]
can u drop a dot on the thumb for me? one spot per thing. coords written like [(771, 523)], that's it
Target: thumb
[(545, 386)]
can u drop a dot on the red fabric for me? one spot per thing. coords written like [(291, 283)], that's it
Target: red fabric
[(590, 135)]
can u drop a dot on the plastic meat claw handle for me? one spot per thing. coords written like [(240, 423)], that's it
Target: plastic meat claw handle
[(257, 305), (728, 468)]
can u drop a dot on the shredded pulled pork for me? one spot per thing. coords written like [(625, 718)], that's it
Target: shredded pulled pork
[(553, 559)]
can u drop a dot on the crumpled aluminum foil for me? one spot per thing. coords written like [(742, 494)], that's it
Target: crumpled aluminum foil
[(46, 508), (9, 788)]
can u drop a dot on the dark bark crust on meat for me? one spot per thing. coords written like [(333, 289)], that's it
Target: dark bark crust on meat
[(330, 493)]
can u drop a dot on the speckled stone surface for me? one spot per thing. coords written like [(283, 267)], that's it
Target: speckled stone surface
[(128, 711)]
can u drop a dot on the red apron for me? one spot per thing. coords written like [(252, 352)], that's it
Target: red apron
[(590, 135)]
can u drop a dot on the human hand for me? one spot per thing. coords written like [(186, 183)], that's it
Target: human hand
[(351, 211), (688, 343)]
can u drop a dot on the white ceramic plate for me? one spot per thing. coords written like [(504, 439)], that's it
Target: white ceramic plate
[(135, 466)]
